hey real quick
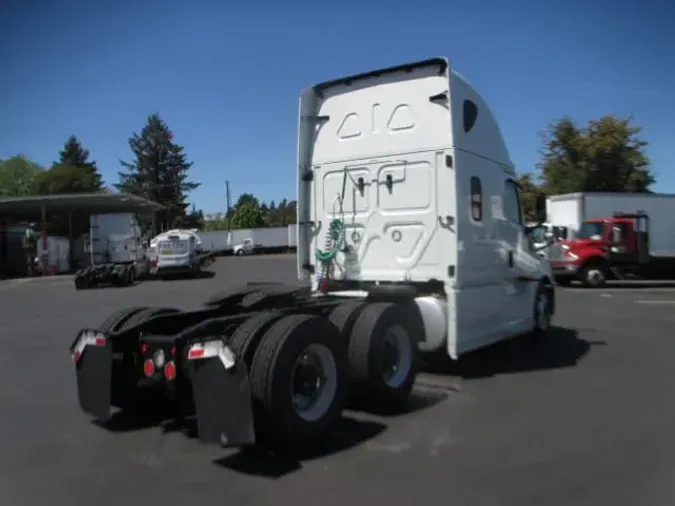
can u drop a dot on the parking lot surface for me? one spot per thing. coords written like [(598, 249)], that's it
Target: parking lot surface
[(585, 418)]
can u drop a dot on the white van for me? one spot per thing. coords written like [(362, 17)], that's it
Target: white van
[(406, 188)]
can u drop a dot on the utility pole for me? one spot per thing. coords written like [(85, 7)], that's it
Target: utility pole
[(227, 190)]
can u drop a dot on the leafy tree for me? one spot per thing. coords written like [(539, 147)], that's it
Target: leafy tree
[(529, 192), (194, 219), (606, 155), (76, 156), (159, 170), (17, 176), (66, 179), (247, 213)]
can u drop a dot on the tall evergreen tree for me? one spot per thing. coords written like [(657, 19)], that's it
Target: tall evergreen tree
[(159, 170), (76, 158)]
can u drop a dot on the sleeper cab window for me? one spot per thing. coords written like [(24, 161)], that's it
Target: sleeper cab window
[(476, 199), (469, 115)]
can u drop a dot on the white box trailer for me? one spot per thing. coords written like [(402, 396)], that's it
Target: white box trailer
[(571, 209), (214, 241)]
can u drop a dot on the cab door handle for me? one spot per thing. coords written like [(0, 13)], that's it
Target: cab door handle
[(510, 259)]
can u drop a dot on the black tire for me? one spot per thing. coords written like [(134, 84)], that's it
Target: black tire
[(81, 281), (542, 312), (563, 281), (367, 349), (248, 335), (594, 275), (344, 316), (112, 323), (278, 422), (147, 313)]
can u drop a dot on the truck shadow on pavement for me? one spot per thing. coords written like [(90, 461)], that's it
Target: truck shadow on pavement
[(354, 429), (203, 274), (625, 285), (560, 349)]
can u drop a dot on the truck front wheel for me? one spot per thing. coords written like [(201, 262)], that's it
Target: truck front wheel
[(298, 381), (593, 275)]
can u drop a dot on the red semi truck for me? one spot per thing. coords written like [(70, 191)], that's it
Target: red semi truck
[(625, 246)]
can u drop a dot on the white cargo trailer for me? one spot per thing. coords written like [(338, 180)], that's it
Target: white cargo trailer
[(572, 209)]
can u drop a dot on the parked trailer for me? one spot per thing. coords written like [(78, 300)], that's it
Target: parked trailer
[(396, 268), (117, 254), (572, 209), (266, 240), (622, 236)]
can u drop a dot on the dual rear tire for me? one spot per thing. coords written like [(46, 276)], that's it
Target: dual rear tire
[(304, 369)]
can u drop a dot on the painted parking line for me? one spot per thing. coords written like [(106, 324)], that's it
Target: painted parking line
[(655, 301)]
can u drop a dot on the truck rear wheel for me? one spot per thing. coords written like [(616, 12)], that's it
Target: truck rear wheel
[(384, 355), (298, 381), (119, 318), (542, 312), (344, 316), (247, 336)]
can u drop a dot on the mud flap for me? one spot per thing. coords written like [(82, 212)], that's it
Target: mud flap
[(94, 380), (223, 402)]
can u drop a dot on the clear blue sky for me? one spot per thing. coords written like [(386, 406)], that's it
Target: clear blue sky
[(227, 78)]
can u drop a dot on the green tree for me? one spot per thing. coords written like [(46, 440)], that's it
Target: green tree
[(607, 155), (193, 219), (76, 156), (159, 170), (66, 179), (17, 176), (247, 213), (529, 192)]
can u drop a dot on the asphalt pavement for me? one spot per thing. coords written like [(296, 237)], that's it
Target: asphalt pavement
[(585, 418)]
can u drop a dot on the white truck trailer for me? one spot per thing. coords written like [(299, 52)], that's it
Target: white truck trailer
[(411, 232), (572, 209)]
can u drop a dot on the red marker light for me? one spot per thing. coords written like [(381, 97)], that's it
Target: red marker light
[(173, 351), (170, 371), (100, 341), (144, 348), (148, 368), (76, 357), (196, 353)]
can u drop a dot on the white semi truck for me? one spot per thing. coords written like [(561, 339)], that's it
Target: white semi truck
[(411, 233), (116, 252)]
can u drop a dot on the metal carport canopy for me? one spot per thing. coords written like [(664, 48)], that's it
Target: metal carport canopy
[(31, 208)]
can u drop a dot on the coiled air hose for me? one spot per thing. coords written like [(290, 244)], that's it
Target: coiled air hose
[(335, 241)]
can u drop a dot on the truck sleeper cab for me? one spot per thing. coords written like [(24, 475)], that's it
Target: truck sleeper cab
[(411, 233)]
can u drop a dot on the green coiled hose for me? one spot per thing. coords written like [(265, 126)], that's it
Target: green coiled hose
[(335, 241)]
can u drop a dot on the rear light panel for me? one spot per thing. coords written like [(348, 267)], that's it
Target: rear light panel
[(87, 338), (213, 349), (158, 358)]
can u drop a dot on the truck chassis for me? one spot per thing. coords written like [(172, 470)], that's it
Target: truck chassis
[(115, 274), (268, 364)]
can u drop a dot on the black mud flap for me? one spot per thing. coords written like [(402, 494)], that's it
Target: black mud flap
[(94, 378), (223, 403)]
